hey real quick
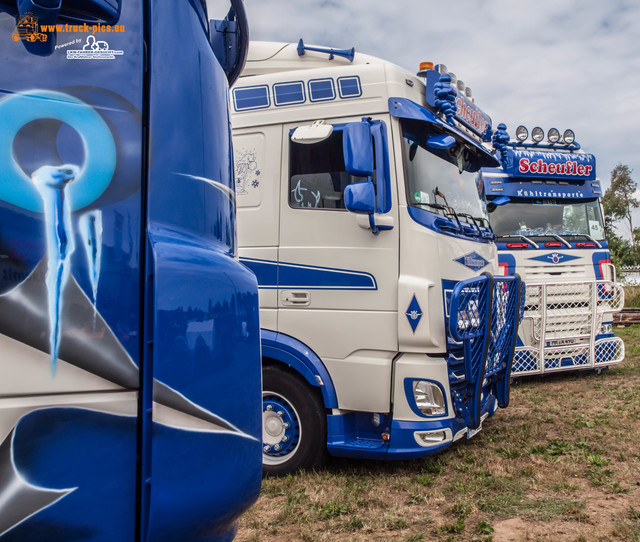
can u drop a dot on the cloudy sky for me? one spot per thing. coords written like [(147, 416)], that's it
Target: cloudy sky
[(550, 63)]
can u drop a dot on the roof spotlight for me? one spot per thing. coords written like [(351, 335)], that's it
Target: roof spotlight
[(568, 137), (537, 134), (441, 68), (553, 136), (467, 92), (461, 85), (454, 79), (522, 133)]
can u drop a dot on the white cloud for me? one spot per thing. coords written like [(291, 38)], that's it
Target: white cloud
[(569, 64)]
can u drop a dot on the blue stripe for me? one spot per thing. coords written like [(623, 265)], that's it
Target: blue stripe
[(272, 274)]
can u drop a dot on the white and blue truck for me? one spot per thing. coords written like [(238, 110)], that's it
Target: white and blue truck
[(544, 205), (129, 333), (386, 333)]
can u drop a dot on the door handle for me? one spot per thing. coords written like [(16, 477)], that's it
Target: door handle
[(298, 298)]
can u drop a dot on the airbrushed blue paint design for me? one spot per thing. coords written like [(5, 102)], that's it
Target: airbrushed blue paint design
[(248, 98), (90, 225), (321, 90), (473, 261), (300, 357), (288, 93), (18, 110), (213, 475), (51, 183), (413, 313), (555, 258), (273, 274), (446, 226), (349, 87)]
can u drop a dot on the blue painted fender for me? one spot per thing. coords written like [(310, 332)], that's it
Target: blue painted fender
[(301, 358)]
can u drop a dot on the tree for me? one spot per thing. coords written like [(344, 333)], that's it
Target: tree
[(619, 201)]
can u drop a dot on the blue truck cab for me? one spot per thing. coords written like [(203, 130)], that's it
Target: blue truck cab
[(129, 336)]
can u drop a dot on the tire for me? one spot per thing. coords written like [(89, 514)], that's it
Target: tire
[(294, 424)]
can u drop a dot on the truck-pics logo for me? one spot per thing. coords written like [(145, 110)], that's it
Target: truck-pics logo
[(28, 29)]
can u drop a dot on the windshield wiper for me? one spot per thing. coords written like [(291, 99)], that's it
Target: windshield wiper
[(535, 245)]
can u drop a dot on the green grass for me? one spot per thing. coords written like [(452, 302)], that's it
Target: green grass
[(556, 460)]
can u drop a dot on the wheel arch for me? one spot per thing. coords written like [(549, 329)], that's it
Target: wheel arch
[(280, 348)]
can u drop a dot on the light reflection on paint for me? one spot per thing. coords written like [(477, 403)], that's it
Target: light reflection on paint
[(51, 182)]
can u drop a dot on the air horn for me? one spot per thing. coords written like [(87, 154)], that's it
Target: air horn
[(346, 53)]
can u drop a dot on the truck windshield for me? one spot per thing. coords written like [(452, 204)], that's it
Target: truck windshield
[(540, 218), (438, 182)]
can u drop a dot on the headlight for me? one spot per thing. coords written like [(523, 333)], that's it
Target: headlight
[(429, 398)]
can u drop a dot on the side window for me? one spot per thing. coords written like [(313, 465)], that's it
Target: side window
[(317, 176)]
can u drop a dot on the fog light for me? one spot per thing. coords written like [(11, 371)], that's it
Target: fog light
[(606, 329), (537, 134), (429, 438), (429, 398), (522, 133)]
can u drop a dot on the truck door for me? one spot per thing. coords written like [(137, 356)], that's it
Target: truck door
[(337, 281)]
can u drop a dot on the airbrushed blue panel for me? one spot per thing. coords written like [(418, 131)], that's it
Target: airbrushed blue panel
[(321, 90), (246, 98), (349, 87), (272, 274), (288, 93)]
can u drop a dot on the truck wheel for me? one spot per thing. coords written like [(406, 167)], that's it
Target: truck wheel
[(294, 429)]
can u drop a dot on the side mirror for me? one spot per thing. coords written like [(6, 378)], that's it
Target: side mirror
[(360, 197), (441, 141), (313, 133), (358, 150), (498, 202), (230, 40)]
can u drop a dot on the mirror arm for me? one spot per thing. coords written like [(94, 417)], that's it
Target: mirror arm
[(372, 224)]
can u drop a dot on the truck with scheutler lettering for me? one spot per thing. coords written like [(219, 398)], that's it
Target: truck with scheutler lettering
[(545, 208)]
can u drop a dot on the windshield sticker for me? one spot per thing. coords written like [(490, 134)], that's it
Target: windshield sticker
[(473, 261), (421, 197)]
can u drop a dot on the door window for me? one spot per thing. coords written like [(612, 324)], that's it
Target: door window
[(317, 176)]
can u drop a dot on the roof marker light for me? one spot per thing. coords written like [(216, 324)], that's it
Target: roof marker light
[(537, 134), (553, 136), (568, 137), (522, 133)]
